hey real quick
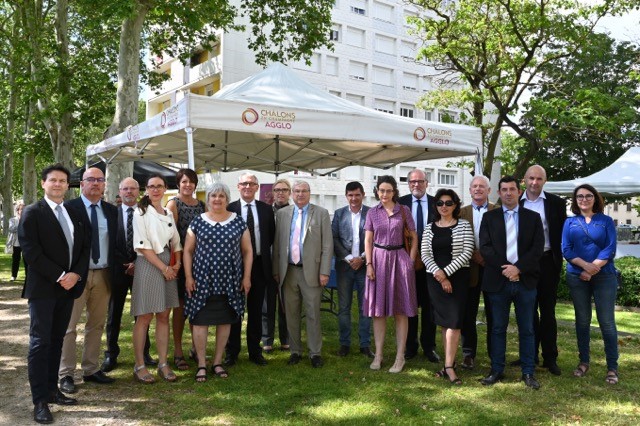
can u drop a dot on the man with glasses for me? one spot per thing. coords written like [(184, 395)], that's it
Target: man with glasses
[(272, 300), (103, 218), (302, 252), (423, 210), (260, 222)]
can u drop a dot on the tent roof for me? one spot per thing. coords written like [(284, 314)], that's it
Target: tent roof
[(275, 121), (621, 177)]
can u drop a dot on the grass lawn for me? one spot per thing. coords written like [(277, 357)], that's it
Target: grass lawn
[(346, 391)]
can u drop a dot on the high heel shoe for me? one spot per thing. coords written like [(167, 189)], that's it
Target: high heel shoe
[(397, 366), (455, 381), (376, 363)]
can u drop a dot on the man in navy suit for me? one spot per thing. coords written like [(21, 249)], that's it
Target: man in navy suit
[(348, 244), (261, 224), (55, 243), (103, 219), (422, 206), (511, 244)]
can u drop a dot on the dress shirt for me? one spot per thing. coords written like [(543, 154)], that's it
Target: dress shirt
[(256, 221), (425, 210), (125, 215), (305, 210), (103, 230), (515, 217), (537, 206), (355, 234), (478, 212), (53, 206)]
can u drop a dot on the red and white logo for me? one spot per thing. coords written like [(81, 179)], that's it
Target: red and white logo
[(250, 116)]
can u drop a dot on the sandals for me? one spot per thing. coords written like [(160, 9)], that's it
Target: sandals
[(147, 379), (199, 377), (193, 355), (180, 363), (219, 371), (170, 376), (612, 377), (581, 369), (443, 373)]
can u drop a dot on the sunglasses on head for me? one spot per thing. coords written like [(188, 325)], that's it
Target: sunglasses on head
[(447, 203)]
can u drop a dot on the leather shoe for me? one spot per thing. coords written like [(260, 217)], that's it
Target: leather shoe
[(148, 360), (294, 359), (432, 356), (258, 360), (109, 364), (67, 385), (410, 354), (41, 413), (59, 398), (343, 351), (468, 363), (366, 350), (316, 361), (553, 368), (493, 378), (530, 381), (99, 377), (230, 361)]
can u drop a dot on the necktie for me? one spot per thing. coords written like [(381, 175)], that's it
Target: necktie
[(295, 244), (420, 221), (130, 232), (67, 232), (512, 238), (252, 230), (95, 235)]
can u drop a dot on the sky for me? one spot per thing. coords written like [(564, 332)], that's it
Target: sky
[(624, 28)]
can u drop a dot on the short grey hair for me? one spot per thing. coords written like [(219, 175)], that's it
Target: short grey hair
[(216, 188), (300, 182), (482, 177), (426, 178), (249, 175)]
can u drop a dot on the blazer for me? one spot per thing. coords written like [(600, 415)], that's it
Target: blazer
[(493, 247), (555, 211), (317, 245), (121, 255), (407, 200), (466, 213), (267, 226), (343, 233), (45, 250)]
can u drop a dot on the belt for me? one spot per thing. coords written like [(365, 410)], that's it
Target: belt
[(299, 265), (388, 247)]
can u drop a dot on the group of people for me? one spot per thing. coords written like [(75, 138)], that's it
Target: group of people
[(210, 262)]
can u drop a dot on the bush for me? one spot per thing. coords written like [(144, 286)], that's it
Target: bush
[(628, 295)]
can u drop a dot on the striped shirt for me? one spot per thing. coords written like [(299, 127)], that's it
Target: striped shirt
[(461, 248)]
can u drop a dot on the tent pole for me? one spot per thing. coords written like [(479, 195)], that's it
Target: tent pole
[(226, 145), (276, 164), (190, 156)]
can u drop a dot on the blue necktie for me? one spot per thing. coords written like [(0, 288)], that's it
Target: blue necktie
[(420, 221), (95, 235)]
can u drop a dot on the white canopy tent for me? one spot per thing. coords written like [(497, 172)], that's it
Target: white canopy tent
[(276, 122), (620, 178)]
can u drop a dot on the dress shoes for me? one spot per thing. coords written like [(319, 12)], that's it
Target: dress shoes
[(59, 398), (41, 413), (148, 360), (316, 361), (294, 359), (530, 381), (432, 356), (258, 360), (109, 364), (99, 377), (493, 378), (553, 368), (468, 363), (343, 351), (366, 351), (230, 361), (67, 385), (410, 354)]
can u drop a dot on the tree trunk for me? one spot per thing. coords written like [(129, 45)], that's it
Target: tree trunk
[(29, 176)]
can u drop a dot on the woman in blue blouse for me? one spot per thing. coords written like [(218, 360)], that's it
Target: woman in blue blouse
[(589, 245)]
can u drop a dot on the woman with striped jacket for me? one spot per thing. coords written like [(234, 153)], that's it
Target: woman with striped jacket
[(447, 245)]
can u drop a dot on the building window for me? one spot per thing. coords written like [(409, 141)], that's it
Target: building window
[(357, 71), (383, 12), (358, 7), (383, 106), (334, 34), (385, 44), (628, 207), (409, 81), (335, 93), (198, 58), (427, 115), (409, 14), (313, 67), (446, 116), (383, 76), (332, 65), (628, 221), (356, 99), (615, 207), (408, 50), (407, 111), (354, 37), (447, 178)]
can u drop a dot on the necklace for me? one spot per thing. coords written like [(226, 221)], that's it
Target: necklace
[(441, 224)]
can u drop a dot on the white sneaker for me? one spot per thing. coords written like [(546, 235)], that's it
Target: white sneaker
[(13, 278)]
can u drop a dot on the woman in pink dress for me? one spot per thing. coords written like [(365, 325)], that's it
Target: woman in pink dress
[(390, 286)]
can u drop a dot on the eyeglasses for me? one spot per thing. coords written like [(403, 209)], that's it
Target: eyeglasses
[(300, 191), (447, 203), (245, 184), (92, 180), (416, 182), (155, 187), (386, 191), (587, 197), (281, 190), (128, 188)]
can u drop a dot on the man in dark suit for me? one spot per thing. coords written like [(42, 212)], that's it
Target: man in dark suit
[(55, 243), (511, 244), (302, 252), (422, 207), (103, 219), (261, 225), (553, 212), (348, 244), (123, 270)]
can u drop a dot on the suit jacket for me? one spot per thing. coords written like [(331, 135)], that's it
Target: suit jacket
[(493, 247), (555, 211), (343, 232), (317, 245), (474, 269), (267, 225), (46, 251), (407, 200), (121, 254)]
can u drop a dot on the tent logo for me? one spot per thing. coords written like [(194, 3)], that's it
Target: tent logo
[(419, 134), (250, 116)]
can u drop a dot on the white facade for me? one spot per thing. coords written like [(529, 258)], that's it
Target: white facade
[(372, 65)]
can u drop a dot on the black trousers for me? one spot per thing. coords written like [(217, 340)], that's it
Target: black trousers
[(427, 326), (49, 321), (15, 262), (469, 332), (272, 307), (545, 325), (255, 298)]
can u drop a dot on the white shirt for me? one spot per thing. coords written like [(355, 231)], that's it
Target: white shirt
[(355, 234), (477, 220), (64, 213), (425, 210), (256, 224), (537, 206)]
